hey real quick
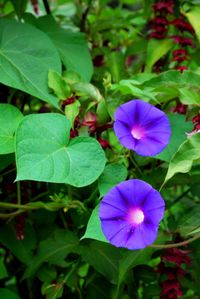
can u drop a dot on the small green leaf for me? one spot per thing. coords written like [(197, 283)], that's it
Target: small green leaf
[(87, 89), (184, 157), (155, 50), (179, 128), (10, 117), (44, 153), (193, 16), (111, 176), (59, 86), (93, 230), (71, 112)]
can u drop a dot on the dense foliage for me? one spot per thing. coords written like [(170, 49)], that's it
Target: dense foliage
[(65, 69)]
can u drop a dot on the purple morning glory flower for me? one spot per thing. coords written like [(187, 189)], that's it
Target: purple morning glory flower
[(130, 214), (141, 127)]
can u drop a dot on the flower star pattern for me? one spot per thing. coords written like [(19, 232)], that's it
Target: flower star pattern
[(141, 127), (130, 214)]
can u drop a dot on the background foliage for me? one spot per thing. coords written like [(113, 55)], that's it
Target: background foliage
[(65, 66)]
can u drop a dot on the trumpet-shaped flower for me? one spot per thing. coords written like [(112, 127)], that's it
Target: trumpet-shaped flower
[(141, 127), (130, 214)]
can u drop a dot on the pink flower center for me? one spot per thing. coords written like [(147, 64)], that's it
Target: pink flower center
[(136, 216), (137, 133)]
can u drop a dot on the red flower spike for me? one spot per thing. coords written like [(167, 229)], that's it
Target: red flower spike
[(161, 20), (179, 52), (180, 59), (164, 7), (180, 108), (182, 25), (104, 143), (90, 121), (177, 256), (183, 41), (157, 35), (35, 6), (181, 68), (196, 118), (73, 133), (197, 127)]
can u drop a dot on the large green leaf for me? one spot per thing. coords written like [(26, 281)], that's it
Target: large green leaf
[(103, 257), (10, 118), (26, 55), (183, 159), (155, 50), (7, 294), (53, 250), (71, 46), (21, 249), (111, 176), (173, 78), (179, 128), (44, 153)]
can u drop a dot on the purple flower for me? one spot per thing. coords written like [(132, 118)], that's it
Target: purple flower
[(130, 214), (141, 127)]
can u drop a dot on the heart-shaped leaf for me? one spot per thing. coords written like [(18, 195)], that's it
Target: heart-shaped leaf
[(44, 153), (10, 118), (26, 56)]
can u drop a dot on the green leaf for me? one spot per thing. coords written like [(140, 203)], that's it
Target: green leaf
[(93, 230), (7, 294), (193, 16), (155, 50), (6, 160), (174, 79), (71, 112), (3, 270), (103, 257), (10, 117), (87, 89), (179, 128), (189, 96), (20, 6), (126, 87), (131, 259), (189, 222), (44, 153), (59, 86), (111, 176), (53, 250), (21, 249), (183, 159), (71, 46), (26, 56)]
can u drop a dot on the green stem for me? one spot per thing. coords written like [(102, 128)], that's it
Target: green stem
[(135, 163), (8, 172), (18, 193), (174, 245)]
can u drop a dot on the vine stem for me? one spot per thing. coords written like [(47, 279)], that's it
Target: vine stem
[(18, 193), (47, 8), (174, 245)]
